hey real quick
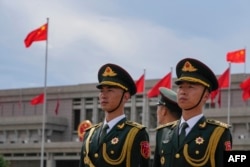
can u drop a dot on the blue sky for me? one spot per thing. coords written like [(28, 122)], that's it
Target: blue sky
[(135, 34)]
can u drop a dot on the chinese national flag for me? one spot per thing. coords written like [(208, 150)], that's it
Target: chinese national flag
[(37, 100), (164, 82), (57, 107), (223, 82), (39, 34), (245, 86), (224, 79), (238, 56), (140, 84)]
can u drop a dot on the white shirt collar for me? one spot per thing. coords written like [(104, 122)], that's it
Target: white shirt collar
[(191, 122), (113, 122)]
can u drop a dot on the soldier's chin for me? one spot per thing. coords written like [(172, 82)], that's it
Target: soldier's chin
[(110, 111)]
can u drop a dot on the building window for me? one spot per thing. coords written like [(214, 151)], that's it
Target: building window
[(209, 105), (101, 115), (153, 116), (139, 114), (127, 113), (76, 102), (77, 118), (89, 114), (88, 101)]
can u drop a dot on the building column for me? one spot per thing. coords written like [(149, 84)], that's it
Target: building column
[(133, 112), (95, 110), (145, 109), (83, 111), (50, 162)]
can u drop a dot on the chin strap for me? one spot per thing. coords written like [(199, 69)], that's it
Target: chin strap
[(118, 104), (198, 101)]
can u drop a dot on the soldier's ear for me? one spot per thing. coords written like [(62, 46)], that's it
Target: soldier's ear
[(126, 96), (166, 111), (206, 95)]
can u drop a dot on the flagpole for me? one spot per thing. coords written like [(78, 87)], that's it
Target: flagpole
[(229, 96), (45, 100), (245, 71)]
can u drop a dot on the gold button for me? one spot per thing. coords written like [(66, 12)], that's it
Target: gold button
[(162, 151), (162, 160), (177, 155), (112, 152), (96, 155), (197, 152)]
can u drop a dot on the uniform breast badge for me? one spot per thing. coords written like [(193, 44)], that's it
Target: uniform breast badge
[(199, 140), (115, 140)]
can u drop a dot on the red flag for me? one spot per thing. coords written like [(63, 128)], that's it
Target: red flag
[(39, 34), (140, 84), (57, 107), (37, 100), (213, 94), (224, 79), (223, 82), (245, 86), (164, 82), (238, 56)]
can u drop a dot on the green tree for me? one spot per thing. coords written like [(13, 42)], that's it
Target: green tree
[(3, 162)]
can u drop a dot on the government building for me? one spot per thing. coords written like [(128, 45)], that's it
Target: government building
[(22, 125)]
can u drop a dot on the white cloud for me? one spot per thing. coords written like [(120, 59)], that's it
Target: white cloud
[(86, 34)]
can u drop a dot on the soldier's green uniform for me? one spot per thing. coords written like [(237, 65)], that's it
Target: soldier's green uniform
[(207, 140), (127, 142), (126, 145), (163, 137), (168, 99), (202, 147)]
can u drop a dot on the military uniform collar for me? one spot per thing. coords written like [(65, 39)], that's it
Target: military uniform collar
[(191, 122), (170, 125), (114, 121)]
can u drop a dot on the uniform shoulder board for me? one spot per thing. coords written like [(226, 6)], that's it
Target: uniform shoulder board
[(170, 125), (219, 123), (93, 126), (135, 124)]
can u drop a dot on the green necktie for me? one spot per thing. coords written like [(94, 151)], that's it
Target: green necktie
[(104, 132), (182, 135)]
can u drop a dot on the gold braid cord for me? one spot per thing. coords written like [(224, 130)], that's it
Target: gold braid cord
[(210, 151), (127, 146), (86, 158)]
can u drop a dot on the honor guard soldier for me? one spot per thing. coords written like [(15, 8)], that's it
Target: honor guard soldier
[(168, 112), (116, 141), (196, 140)]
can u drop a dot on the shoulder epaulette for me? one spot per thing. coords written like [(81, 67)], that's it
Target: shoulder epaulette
[(135, 124), (93, 126), (219, 123), (170, 124)]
